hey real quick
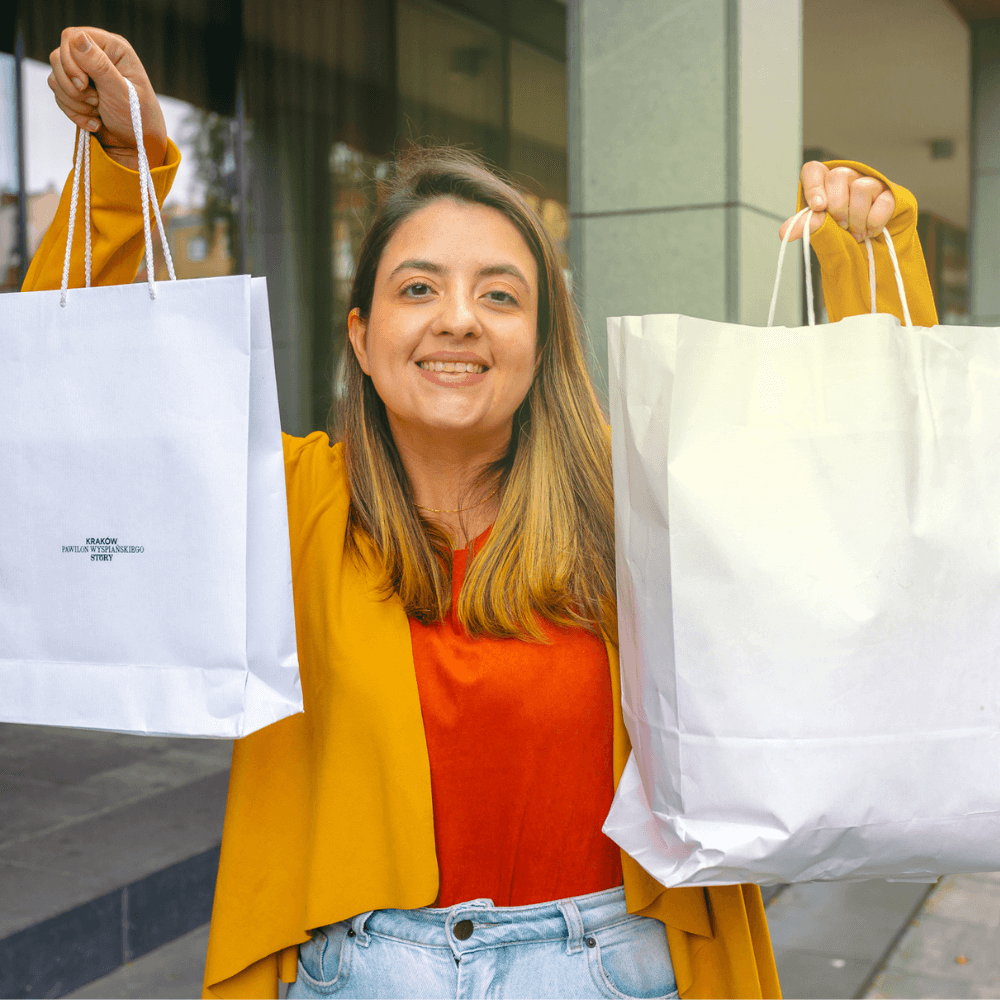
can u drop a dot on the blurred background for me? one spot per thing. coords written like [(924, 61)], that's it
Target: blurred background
[(660, 141)]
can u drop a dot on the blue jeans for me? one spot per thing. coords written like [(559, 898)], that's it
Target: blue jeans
[(588, 946)]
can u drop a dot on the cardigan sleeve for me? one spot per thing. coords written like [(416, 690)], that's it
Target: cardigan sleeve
[(117, 239), (844, 263)]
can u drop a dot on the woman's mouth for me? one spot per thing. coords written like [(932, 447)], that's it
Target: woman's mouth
[(452, 373), (452, 366)]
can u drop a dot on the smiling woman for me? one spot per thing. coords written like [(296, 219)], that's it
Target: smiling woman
[(457, 270), (431, 826)]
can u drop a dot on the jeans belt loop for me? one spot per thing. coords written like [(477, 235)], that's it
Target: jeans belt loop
[(362, 937), (574, 925)]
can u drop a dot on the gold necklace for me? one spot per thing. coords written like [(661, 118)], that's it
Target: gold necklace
[(457, 510)]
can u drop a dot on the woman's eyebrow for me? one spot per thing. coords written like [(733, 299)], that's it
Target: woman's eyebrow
[(413, 264), (514, 272)]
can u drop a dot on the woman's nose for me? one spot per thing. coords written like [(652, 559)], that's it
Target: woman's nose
[(458, 316)]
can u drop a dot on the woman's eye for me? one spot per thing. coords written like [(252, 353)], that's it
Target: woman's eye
[(503, 298), (417, 289)]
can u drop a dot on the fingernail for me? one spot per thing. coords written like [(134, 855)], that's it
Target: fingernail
[(817, 201), (843, 225), (82, 44), (91, 101), (80, 85), (93, 125)]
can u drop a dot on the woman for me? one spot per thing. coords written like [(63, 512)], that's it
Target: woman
[(431, 826)]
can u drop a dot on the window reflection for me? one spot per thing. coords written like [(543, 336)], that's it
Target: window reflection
[(354, 176), (201, 213), (451, 79), (464, 83)]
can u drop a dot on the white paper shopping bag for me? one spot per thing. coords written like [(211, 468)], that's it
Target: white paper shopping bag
[(808, 543), (145, 579)]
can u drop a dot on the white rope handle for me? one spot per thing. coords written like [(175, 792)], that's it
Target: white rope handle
[(147, 192), (781, 263), (899, 277), (79, 157), (807, 212), (871, 273)]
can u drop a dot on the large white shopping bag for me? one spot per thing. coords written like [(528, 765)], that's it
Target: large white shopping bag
[(808, 546), (145, 577)]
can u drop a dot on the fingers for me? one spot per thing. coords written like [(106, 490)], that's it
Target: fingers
[(84, 120), (862, 205), (83, 103), (864, 192), (72, 87), (74, 77), (814, 223), (838, 194), (87, 54), (882, 208), (80, 112), (813, 178)]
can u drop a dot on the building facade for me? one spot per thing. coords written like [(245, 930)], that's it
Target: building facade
[(660, 140)]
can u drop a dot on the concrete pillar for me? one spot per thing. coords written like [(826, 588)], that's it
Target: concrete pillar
[(984, 203), (685, 148)]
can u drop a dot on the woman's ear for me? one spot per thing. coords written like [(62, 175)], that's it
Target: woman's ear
[(357, 332)]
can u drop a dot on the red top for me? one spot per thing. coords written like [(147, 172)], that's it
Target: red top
[(519, 737)]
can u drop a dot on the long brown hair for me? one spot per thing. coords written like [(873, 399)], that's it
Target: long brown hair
[(551, 549)]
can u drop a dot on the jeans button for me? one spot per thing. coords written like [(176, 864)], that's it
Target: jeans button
[(463, 930)]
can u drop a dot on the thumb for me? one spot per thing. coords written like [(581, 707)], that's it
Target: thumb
[(94, 61)]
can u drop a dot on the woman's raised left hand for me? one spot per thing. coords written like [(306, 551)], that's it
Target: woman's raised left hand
[(861, 205)]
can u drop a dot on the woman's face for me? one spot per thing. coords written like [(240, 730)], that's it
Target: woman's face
[(456, 286)]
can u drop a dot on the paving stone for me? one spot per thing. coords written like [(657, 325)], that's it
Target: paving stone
[(984, 876), (67, 756), (817, 974), (109, 851), (961, 898), (855, 920), (174, 970), (30, 805), (895, 985), (958, 920), (932, 946), (31, 893)]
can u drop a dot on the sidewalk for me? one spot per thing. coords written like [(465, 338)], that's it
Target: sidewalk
[(889, 939), (831, 939), (108, 850), (952, 949), (107, 847)]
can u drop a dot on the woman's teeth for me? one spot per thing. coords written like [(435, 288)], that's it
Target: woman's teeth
[(451, 366)]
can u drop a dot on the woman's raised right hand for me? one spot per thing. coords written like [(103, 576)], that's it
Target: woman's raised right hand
[(88, 78)]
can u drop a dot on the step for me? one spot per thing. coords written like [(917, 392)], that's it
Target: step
[(108, 849)]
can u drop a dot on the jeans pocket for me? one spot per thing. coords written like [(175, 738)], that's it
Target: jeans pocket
[(324, 962), (631, 960)]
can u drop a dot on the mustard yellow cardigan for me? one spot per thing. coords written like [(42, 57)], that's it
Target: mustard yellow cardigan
[(329, 813)]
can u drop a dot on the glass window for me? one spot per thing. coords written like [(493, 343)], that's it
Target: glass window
[(538, 136), (201, 208), (538, 119), (201, 213), (10, 263), (451, 79), (354, 176)]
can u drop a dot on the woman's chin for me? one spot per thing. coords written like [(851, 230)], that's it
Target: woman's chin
[(453, 427)]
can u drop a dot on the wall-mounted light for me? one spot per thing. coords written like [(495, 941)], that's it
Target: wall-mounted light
[(468, 60), (942, 149)]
